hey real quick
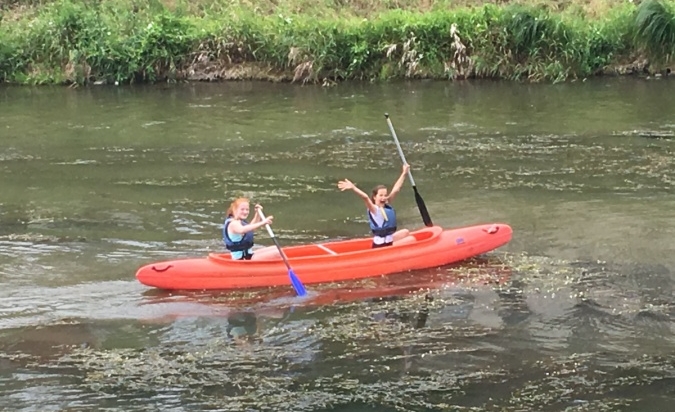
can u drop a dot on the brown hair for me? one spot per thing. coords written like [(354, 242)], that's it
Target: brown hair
[(375, 190), (234, 205)]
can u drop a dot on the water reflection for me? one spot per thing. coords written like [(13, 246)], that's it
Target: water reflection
[(492, 333), (110, 178)]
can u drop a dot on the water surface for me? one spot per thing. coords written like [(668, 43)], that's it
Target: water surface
[(574, 314)]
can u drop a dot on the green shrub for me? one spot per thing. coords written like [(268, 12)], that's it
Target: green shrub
[(77, 41), (655, 29)]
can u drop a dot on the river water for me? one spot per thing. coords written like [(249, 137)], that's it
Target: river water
[(575, 313)]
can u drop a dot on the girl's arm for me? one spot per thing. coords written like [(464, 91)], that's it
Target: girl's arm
[(256, 215), (347, 185), (399, 183), (238, 228)]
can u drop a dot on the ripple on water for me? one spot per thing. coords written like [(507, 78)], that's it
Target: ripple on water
[(11, 154), (554, 335), (39, 305), (78, 162)]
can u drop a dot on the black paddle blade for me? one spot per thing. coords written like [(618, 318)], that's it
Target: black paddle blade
[(423, 208)]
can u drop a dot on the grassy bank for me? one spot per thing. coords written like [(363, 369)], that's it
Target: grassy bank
[(327, 41)]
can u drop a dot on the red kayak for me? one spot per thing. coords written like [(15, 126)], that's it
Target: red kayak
[(328, 262)]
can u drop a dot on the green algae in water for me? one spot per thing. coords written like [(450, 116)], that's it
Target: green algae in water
[(376, 353)]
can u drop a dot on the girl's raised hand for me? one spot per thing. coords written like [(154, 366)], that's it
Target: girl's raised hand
[(345, 185)]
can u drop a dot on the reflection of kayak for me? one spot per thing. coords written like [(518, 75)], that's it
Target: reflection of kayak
[(276, 302), (328, 262)]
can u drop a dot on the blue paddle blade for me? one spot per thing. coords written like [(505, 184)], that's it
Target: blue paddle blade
[(297, 285)]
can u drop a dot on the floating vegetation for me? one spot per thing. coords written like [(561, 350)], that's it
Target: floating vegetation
[(13, 155), (653, 134), (533, 161), (40, 238), (430, 349)]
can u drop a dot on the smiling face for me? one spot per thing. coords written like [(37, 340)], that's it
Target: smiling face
[(380, 196), (238, 209), (241, 211)]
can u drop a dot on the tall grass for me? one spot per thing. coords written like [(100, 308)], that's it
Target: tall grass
[(77, 42), (655, 28), (325, 41)]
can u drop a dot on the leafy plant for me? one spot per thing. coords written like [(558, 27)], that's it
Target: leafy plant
[(78, 41), (655, 28)]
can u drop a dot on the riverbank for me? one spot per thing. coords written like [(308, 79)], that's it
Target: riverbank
[(325, 42)]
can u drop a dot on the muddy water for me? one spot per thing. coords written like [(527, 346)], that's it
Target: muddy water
[(574, 314)]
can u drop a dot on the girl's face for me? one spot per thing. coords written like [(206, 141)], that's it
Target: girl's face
[(380, 198), (242, 211)]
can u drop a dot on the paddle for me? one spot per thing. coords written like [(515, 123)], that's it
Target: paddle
[(297, 284), (418, 199)]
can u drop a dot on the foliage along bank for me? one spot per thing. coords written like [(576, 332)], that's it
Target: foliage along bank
[(78, 42)]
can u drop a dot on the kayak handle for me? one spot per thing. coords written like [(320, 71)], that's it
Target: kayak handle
[(492, 229), (162, 270)]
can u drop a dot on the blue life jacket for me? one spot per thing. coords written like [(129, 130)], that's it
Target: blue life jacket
[(389, 225), (242, 245)]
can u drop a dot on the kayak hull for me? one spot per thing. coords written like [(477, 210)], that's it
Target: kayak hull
[(328, 262)]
